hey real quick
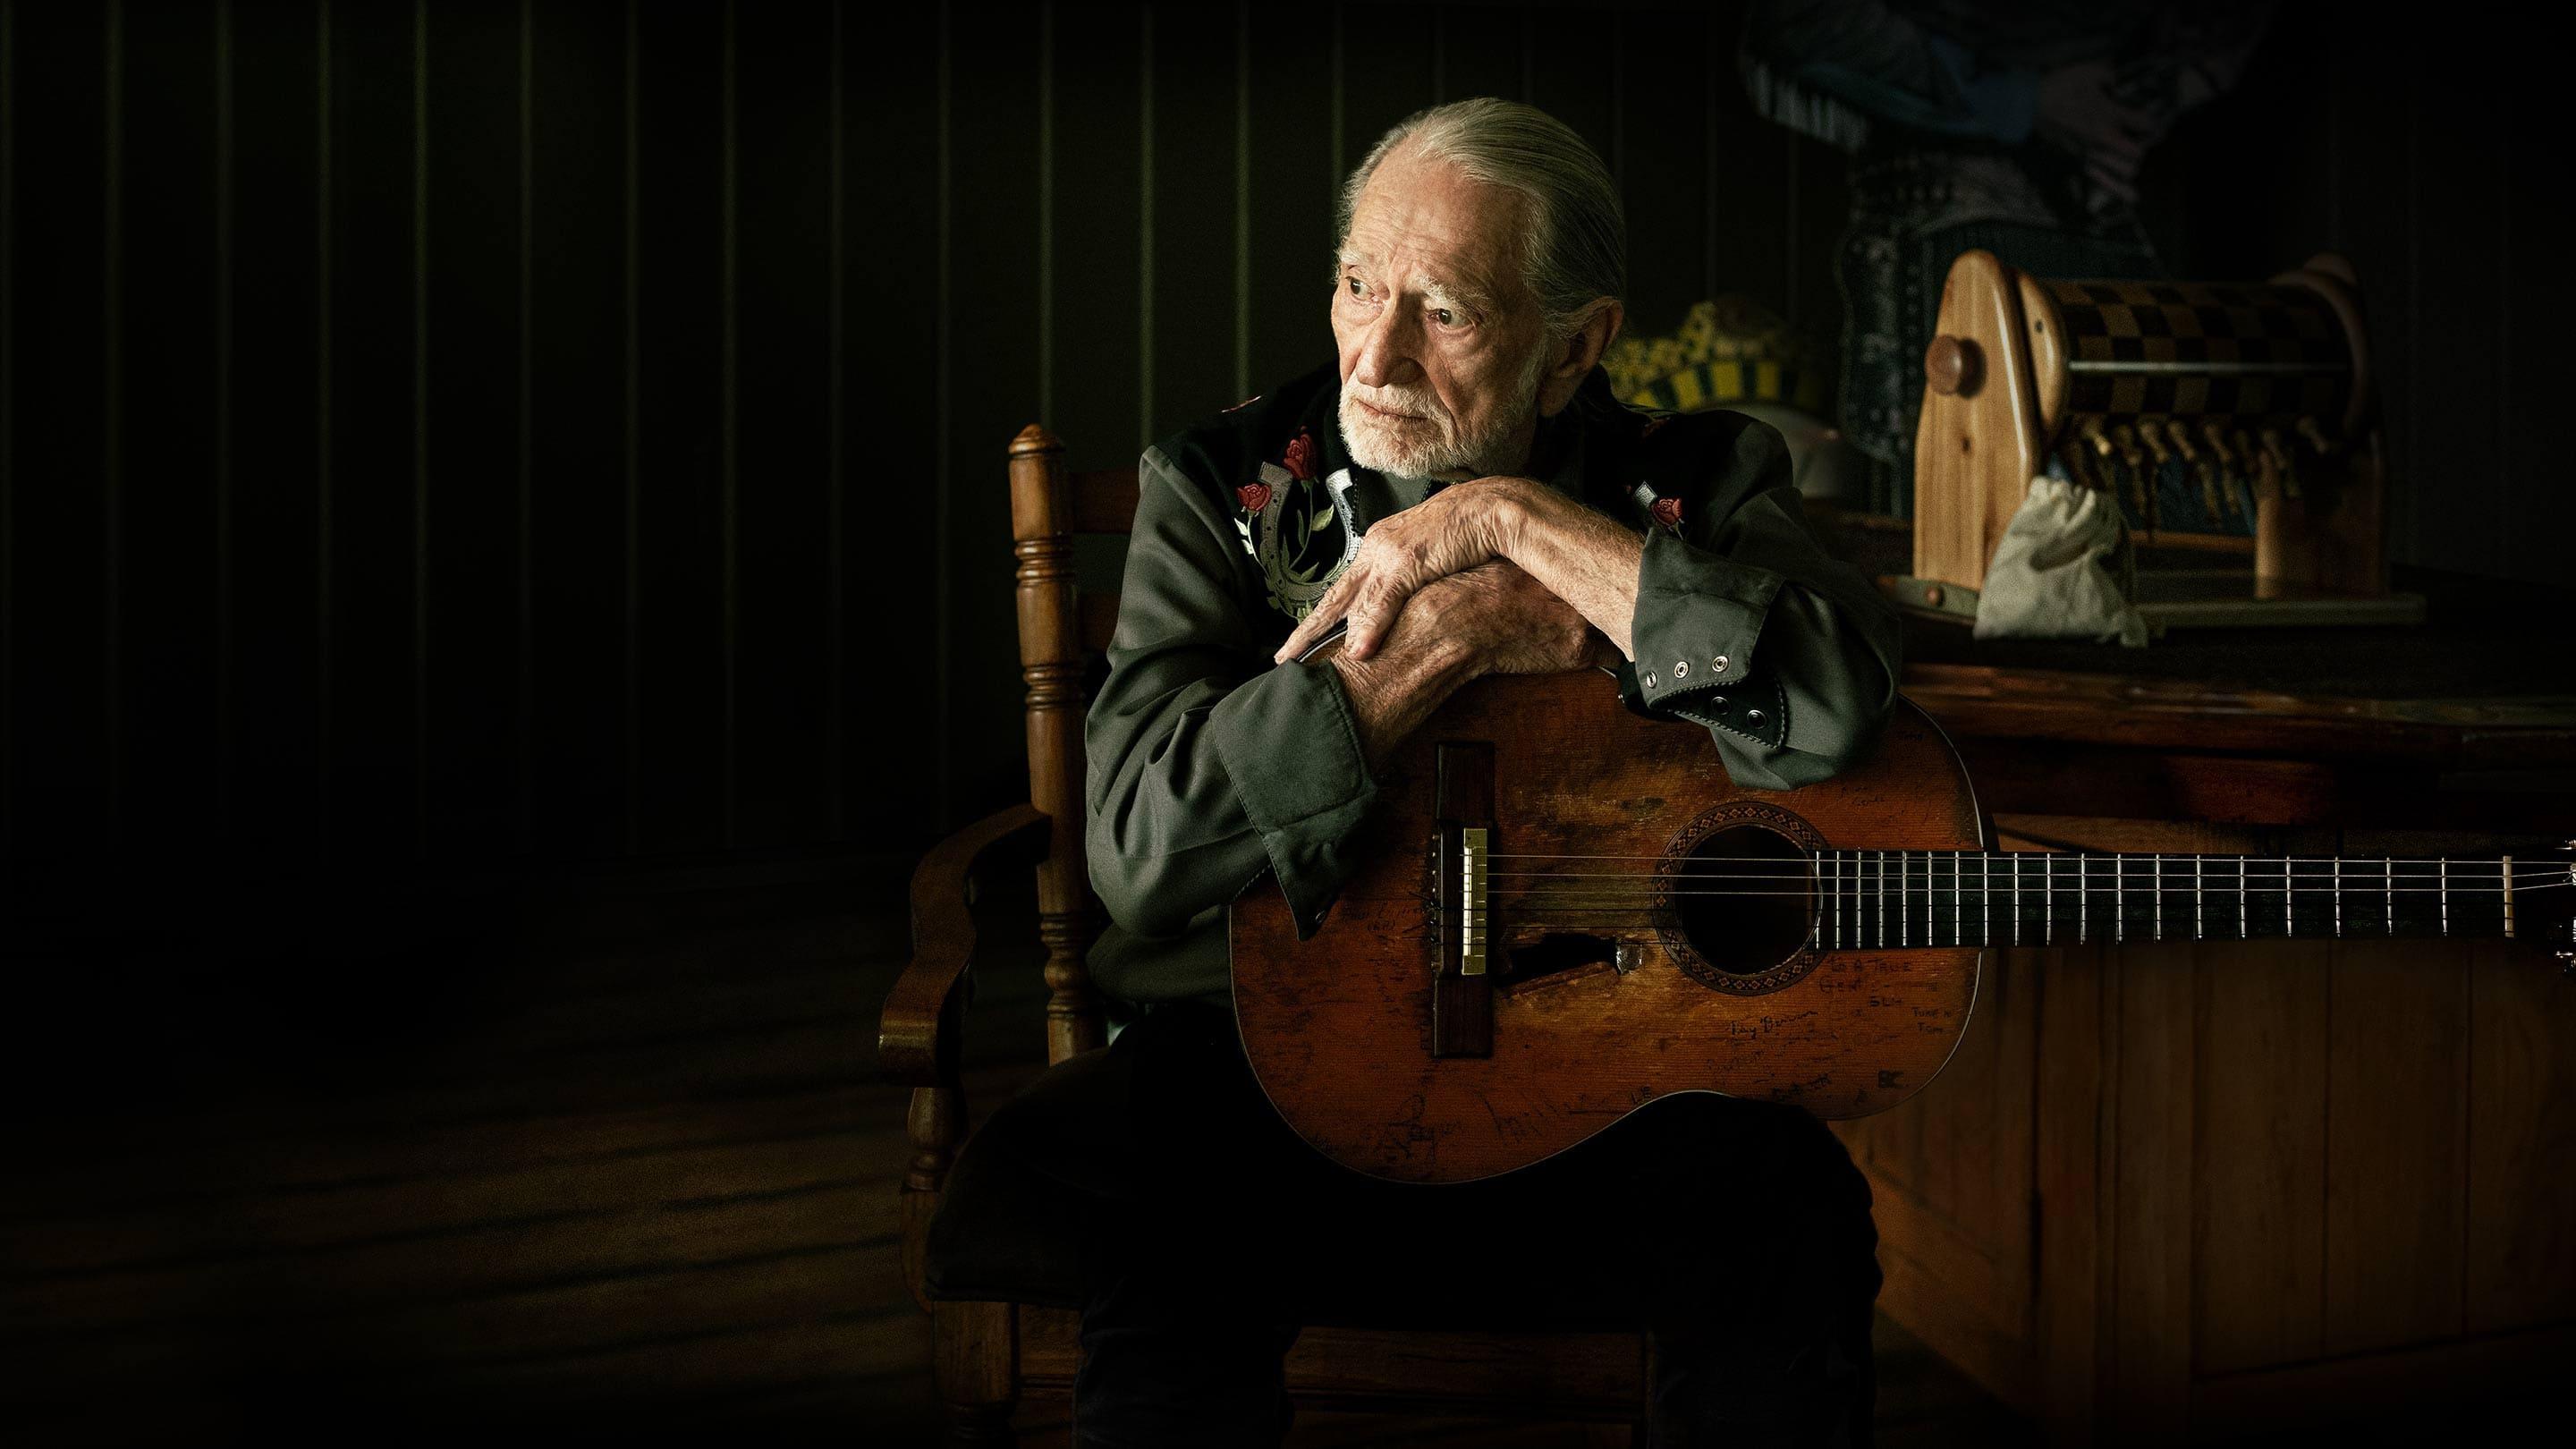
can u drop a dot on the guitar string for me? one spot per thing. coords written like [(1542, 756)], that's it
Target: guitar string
[(1912, 883), (1866, 907), (2082, 856), (2360, 880), (2063, 911), (1966, 905)]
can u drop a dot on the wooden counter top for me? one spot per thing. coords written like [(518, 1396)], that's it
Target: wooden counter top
[(2486, 683), (2467, 721)]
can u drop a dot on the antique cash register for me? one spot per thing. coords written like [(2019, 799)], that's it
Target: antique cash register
[(2233, 423)]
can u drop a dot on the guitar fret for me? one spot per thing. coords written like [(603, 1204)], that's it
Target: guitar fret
[(2199, 915), (2160, 895), (2445, 875), (2241, 933), (1882, 900), (2504, 871), (2048, 899), (1986, 894), (2119, 899), (2338, 897), (2289, 926)]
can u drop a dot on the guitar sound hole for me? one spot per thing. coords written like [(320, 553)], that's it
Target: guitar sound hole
[(1744, 899)]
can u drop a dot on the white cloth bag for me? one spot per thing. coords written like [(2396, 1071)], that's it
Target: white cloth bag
[(2052, 575)]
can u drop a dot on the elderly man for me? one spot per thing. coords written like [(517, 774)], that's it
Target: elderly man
[(1464, 496)]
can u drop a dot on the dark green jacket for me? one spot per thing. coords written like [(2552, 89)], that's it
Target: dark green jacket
[(1209, 765)]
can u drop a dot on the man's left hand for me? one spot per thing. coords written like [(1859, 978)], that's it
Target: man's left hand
[(1450, 532)]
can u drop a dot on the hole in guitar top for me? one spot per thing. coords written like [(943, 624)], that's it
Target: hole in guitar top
[(1744, 898), (1558, 951)]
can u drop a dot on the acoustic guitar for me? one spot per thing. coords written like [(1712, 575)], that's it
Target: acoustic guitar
[(1563, 910)]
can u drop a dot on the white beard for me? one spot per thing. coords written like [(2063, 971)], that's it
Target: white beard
[(1414, 450)]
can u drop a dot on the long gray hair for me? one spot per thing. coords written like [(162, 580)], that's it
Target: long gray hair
[(1577, 248)]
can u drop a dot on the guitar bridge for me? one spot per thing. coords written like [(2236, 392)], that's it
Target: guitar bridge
[(1462, 994), (1472, 900)]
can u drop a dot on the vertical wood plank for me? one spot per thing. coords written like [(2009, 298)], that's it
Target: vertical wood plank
[(1819, 182), (58, 758), (783, 373), (2525, 525), (888, 407), (2241, 212), (2258, 1226), (2076, 1161), (1749, 197), (2396, 1166), (8, 425), (1193, 215), (993, 376), (275, 689), (472, 548), (1480, 52), (1293, 196), (2454, 396), (172, 523), (576, 433), (2522, 1141), (1579, 85), (1664, 173), (112, 439), (1099, 174), (681, 533), (2375, 185), (2151, 1332), (1386, 72), (373, 608)]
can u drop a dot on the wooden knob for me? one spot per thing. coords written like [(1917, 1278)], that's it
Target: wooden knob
[(1952, 366)]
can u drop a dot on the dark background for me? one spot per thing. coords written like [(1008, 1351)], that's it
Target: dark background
[(504, 565), (479, 437)]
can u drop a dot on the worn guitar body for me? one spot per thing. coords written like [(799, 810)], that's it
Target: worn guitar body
[(1644, 927)]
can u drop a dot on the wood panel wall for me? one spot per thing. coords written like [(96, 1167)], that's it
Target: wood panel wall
[(566, 432), (569, 431)]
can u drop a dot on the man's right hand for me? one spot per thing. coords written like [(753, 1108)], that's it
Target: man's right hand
[(1509, 621), (1490, 619)]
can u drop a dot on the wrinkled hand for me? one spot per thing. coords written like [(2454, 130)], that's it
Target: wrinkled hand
[(1508, 621), (1450, 532)]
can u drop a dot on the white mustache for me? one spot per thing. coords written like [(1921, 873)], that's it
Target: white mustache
[(1418, 405)]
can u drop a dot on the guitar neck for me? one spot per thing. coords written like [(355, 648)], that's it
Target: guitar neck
[(1875, 899)]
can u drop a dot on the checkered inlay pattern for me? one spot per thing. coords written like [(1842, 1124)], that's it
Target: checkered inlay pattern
[(2200, 322)]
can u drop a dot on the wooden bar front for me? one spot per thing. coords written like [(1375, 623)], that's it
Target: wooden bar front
[(2168, 1188)]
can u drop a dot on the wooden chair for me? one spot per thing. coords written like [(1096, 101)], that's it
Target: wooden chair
[(987, 1353)]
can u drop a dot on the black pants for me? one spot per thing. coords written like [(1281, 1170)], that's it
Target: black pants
[(1738, 1233)]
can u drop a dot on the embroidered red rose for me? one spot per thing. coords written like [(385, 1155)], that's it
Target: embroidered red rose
[(1667, 511), (1253, 496), (1300, 461)]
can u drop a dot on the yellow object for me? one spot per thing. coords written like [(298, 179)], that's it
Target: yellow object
[(1728, 351)]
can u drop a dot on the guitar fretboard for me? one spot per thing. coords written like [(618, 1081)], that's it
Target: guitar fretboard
[(1888, 899)]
